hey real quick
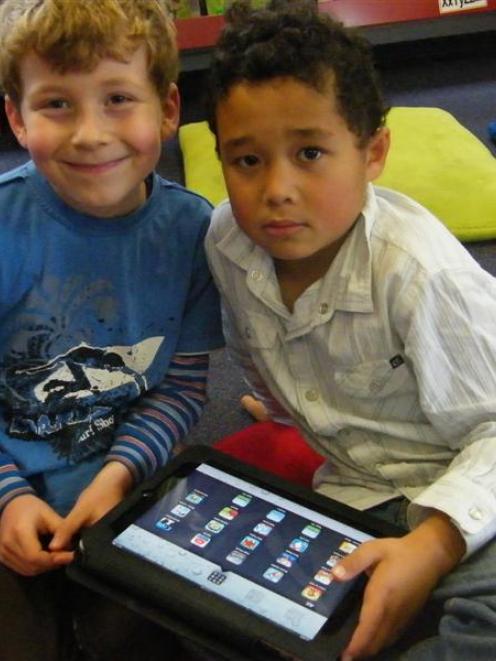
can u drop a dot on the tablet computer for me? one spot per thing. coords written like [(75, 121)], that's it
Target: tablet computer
[(236, 554)]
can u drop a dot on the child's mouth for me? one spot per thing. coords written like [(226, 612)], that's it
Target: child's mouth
[(283, 228), (94, 168)]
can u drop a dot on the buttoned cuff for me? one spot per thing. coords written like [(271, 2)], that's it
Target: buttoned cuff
[(471, 508)]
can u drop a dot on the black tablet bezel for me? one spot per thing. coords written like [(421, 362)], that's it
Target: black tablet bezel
[(215, 616)]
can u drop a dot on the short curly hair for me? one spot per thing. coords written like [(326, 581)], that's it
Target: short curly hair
[(77, 34), (292, 39)]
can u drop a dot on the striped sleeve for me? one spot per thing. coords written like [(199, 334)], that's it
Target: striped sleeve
[(162, 417), (12, 484)]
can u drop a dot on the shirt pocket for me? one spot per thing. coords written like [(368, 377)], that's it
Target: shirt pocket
[(375, 379)]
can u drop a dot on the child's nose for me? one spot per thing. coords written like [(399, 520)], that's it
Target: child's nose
[(90, 129), (279, 183)]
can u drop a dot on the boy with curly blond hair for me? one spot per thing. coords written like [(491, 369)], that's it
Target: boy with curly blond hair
[(107, 308)]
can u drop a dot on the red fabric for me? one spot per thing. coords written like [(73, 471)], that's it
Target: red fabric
[(275, 448)]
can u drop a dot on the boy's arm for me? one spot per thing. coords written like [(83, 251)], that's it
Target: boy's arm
[(454, 360), (143, 443), (466, 492), (452, 345), (162, 417)]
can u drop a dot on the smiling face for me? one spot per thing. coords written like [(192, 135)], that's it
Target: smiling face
[(95, 135), (295, 174)]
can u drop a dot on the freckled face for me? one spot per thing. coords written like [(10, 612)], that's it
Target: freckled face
[(95, 135), (294, 172)]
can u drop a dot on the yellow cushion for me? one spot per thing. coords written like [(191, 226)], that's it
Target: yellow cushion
[(433, 158)]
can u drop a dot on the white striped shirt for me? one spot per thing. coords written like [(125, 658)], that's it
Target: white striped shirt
[(387, 364)]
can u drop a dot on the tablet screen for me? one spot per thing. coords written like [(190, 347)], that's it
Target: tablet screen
[(264, 552)]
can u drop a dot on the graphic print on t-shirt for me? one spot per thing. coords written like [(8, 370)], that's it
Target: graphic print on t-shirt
[(71, 400)]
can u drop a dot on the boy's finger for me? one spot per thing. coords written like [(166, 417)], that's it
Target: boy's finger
[(61, 558), (62, 538), (50, 521), (30, 565), (357, 562)]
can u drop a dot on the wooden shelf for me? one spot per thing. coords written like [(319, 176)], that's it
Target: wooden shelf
[(382, 21)]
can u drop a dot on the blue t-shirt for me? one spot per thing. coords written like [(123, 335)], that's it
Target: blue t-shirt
[(91, 312)]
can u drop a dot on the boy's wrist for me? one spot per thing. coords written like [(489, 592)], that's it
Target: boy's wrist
[(16, 493), (444, 540), (117, 474)]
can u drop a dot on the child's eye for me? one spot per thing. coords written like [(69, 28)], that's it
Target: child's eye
[(118, 99), (310, 154), (248, 161), (56, 104)]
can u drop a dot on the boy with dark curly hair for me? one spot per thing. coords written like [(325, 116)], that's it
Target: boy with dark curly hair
[(361, 320)]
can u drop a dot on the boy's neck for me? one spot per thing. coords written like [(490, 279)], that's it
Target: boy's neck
[(296, 276), (291, 287)]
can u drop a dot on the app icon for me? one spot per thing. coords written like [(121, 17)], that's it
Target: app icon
[(276, 515), (217, 577), (242, 499), (333, 560), (273, 574), (312, 592), (228, 513), (237, 557), (263, 529), (347, 547), (181, 510), (165, 523), (215, 526), (249, 542), (298, 544), (201, 539), (324, 576), (287, 559), (312, 530), (195, 497)]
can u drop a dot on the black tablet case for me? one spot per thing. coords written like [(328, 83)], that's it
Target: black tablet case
[(218, 626)]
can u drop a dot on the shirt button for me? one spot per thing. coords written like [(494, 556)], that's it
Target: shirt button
[(256, 275), (311, 395), (475, 513), (323, 308)]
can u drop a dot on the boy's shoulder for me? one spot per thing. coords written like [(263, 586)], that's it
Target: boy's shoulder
[(15, 193), (17, 175), (410, 229), (176, 193)]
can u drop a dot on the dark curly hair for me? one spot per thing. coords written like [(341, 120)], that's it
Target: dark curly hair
[(293, 39)]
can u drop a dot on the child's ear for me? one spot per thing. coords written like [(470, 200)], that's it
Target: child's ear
[(16, 121), (170, 112), (377, 151)]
